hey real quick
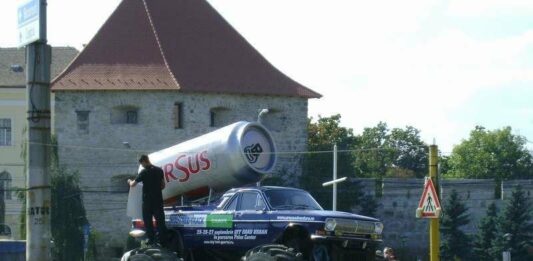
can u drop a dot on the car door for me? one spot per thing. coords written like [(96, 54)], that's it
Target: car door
[(251, 222)]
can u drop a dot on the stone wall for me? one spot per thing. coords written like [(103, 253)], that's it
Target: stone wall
[(106, 152), (400, 198)]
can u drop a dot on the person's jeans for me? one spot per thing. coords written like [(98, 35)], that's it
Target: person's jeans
[(154, 209)]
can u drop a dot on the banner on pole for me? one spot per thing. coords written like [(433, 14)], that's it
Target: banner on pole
[(29, 22)]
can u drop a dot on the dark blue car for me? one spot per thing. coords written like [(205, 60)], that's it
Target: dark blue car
[(245, 218)]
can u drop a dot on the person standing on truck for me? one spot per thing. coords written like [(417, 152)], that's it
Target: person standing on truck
[(152, 206)]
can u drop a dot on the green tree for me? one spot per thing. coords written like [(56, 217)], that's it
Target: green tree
[(398, 152), (455, 243), (486, 233), (373, 156), (514, 227), (496, 154), (444, 164), (67, 215), (322, 135), (409, 151)]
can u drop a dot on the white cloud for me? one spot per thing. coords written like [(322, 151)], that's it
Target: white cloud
[(489, 7)]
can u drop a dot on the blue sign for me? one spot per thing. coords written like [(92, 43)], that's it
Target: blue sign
[(86, 232), (29, 24)]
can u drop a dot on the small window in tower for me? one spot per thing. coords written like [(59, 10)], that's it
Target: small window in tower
[(82, 118), (125, 115), (212, 116), (275, 120), (131, 117), (219, 116), (178, 115)]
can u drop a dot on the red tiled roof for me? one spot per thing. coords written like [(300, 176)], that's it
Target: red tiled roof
[(180, 45)]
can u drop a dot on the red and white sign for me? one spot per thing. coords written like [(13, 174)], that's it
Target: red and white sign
[(429, 205)]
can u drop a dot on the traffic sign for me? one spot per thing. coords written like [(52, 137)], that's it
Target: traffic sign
[(29, 24), (429, 205)]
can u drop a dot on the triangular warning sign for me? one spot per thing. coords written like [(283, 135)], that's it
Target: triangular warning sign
[(429, 205)]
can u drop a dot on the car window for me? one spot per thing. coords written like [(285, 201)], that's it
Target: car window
[(251, 201), (233, 205), (291, 199), (222, 201)]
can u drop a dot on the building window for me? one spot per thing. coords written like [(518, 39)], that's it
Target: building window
[(131, 117), (178, 115), (5, 132), (274, 120), (82, 118), (5, 185), (212, 116), (219, 116), (125, 115)]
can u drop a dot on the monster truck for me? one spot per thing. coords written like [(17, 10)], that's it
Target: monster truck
[(248, 217)]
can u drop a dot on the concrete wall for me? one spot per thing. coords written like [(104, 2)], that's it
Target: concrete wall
[(98, 153), (400, 199)]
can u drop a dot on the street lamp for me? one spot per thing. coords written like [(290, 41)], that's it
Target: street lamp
[(507, 254)]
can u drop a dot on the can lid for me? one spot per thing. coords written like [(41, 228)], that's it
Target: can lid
[(258, 148)]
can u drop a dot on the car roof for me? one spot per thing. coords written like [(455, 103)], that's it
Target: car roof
[(261, 188)]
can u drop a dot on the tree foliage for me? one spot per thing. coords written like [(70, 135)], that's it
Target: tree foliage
[(67, 217), (486, 233), (515, 227), (384, 152), (67, 210), (322, 135), (68, 214), (486, 154), (455, 243)]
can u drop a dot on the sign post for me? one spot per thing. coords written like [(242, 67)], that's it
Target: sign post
[(429, 205), (86, 234), (32, 34)]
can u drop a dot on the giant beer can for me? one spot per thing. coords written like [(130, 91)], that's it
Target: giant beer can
[(238, 154)]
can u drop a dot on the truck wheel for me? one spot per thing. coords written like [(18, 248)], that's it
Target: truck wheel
[(272, 253), (176, 244), (300, 244), (371, 254), (150, 254), (140, 257)]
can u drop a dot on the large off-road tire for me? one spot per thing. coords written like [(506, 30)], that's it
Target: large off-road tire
[(150, 254), (272, 253), (300, 242)]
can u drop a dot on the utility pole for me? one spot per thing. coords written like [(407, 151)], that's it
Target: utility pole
[(38, 200), (335, 179), (334, 203), (434, 226)]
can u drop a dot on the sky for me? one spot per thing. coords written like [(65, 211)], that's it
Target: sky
[(442, 66)]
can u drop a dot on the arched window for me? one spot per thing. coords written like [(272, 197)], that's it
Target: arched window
[(219, 116), (124, 114), (5, 185), (274, 120)]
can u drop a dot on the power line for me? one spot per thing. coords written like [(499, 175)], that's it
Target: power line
[(190, 152)]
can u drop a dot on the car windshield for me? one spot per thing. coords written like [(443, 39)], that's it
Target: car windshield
[(291, 199)]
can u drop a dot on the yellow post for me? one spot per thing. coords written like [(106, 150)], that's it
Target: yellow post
[(434, 226)]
